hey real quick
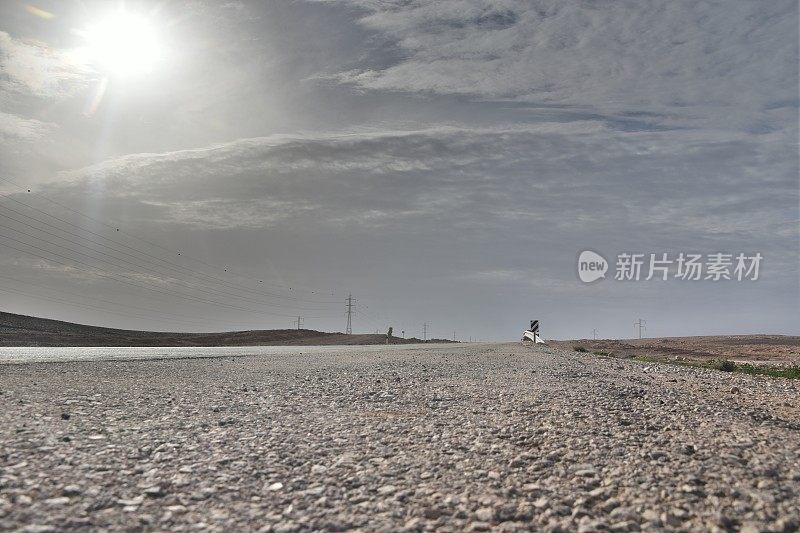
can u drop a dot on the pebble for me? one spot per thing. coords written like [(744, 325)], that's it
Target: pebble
[(71, 490), (490, 437)]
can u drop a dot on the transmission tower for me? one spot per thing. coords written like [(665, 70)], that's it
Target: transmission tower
[(641, 324), (299, 322), (349, 330), (594, 333), (425, 331)]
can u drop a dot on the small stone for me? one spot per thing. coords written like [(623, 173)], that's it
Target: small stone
[(65, 416), (132, 502), (413, 523), (275, 486), (71, 490), (671, 519), (37, 528), (285, 527), (541, 503), (484, 514), (57, 502), (154, 491), (598, 493), (318, 469), (623, 526), (387, 489), (651, 515)]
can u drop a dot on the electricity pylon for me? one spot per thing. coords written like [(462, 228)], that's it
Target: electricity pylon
[(641, 324), (349, 330)]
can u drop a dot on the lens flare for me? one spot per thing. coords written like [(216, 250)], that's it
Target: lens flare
[(123, 44)]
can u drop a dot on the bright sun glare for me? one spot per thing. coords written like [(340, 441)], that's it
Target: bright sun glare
[(123, 43)]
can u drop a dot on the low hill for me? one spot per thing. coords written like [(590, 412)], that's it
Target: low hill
[(22, 330)]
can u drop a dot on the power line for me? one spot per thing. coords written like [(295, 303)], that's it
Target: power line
[(183, 318), (182, 267), (117, 229), (76, 304), (122, 252), (113, 277), (164, 277), (136, 258)]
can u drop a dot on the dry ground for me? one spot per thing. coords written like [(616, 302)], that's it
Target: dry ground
[(761, 349), (434, 438)]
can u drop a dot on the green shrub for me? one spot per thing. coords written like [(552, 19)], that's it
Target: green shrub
[(724, 365), (600, 353), (581, 349), (791, 372)]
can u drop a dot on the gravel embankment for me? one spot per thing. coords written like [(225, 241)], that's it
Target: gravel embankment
[(451, 438)]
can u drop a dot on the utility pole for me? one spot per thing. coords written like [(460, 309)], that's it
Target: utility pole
[(349, 330), (425, 331), (299, 322), (641, 324), (594, 333), (454, 336), (403, 333)]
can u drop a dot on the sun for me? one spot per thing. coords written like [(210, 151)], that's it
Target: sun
[(123, 43)]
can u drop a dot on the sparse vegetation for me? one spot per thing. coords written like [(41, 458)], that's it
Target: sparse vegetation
[(581, 349), (724, 365), (600, 353), (790, 372)]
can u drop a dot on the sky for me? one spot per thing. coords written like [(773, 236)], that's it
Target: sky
[(206, 166)]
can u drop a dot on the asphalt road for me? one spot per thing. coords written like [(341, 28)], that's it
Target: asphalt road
[(445, 438)]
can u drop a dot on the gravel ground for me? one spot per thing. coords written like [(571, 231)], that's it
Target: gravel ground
[(445, 438)]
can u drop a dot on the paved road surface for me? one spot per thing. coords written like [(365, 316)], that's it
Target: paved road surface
[(445, 438)]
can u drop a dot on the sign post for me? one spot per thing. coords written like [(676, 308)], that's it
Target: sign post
[(532, 334)]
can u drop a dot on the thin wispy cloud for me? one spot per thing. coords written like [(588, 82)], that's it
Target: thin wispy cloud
[(19, 128), (31, 66), (678, 63)]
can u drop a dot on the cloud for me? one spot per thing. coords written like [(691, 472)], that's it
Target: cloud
[(677, 62), (33, 67), (15, 127), (543, 187)]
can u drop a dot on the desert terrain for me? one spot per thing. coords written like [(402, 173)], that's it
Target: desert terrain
[(755, 349), (22, 330), (459, 437)]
